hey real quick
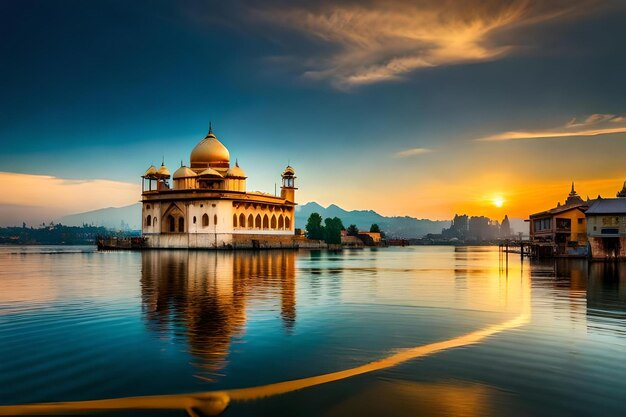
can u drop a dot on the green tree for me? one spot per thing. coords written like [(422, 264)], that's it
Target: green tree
[(353, 230), (374, 228), (314, 228), (333, 228)]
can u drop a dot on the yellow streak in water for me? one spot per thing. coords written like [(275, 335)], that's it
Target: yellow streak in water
[(215, 402)]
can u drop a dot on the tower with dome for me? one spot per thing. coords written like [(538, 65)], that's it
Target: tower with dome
[(206, 204)]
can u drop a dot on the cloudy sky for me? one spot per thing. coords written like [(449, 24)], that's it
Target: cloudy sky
[(423, 108)]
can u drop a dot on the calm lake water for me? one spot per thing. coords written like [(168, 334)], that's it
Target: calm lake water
[(450, 332)]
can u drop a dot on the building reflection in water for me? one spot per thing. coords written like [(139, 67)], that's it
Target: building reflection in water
[(204, 297), (606, 297), (598, 289)]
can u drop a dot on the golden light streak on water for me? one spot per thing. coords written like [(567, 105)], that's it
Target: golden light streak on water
[(215, 402)]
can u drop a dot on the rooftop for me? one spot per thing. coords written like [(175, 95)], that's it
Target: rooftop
[(573, 201), (608, 206)]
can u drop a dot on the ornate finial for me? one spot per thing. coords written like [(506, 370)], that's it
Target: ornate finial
[(163, 160), (181, 163), (210, 128), (573, 192), (237, 162)]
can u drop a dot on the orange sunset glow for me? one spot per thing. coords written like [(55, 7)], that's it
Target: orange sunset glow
[(313, 208)]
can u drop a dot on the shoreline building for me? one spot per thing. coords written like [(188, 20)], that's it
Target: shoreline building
[(562, 230), (606, 227), (206, 205)]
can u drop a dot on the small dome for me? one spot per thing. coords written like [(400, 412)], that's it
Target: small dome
[(236, 172), (151, 171), (209, 151), (210, 172), (184, 172), (163, 171), (289, 171)]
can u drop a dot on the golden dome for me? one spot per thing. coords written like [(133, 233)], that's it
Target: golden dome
[(210, 172), (236, 171), (151, 171), (289, 171), (210, 151), (184, 172), (163, 171)]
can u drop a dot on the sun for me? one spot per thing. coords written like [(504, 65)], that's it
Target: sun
[(498, 201)]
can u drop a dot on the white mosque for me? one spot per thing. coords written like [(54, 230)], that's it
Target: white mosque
[(206, 205)]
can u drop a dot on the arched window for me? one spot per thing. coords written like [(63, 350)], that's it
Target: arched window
[(205, 220), (172, 223), (250, 221), (181, 225), (273, 223), (281, 222), (257, 221), (287, 223), (234, 220), (215, 219), (194, 219), (149, 220), (155, 219), (266, 222), (242, 220)]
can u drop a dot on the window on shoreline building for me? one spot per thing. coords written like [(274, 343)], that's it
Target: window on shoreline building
[(205, 220), (149, 220), (542, 224)]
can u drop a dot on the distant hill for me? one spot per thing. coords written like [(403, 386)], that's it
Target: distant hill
[(128, 217), (401, 227)]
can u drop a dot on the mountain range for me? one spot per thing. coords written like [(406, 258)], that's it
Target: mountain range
[(129, 217), (397, 226)]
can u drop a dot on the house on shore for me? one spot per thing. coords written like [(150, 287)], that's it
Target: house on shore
[(562, 230), (606, 227)]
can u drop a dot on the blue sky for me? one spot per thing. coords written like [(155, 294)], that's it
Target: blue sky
[(376, 105)]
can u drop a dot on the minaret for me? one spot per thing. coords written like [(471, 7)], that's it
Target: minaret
[(288, 189), (622, 193)]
